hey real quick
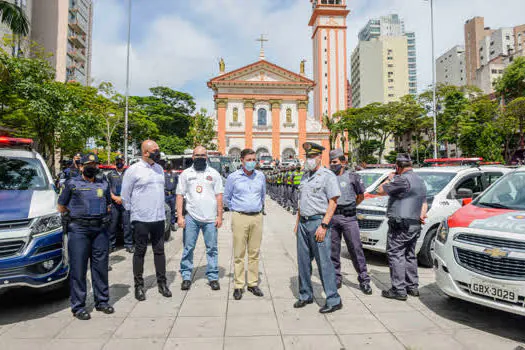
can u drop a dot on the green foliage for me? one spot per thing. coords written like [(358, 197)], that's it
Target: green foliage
[(512, 84), (172, 144), (202, 131), (14, 18), (488, 145)]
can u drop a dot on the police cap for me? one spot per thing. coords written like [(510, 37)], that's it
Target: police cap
[(89, 158), (403, 157), (312, 148), (336, 153), (78, 154), (119, 157)]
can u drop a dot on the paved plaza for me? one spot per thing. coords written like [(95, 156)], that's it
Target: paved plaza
[(203, 319)]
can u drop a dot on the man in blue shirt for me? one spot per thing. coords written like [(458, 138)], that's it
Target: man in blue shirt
[(244, 194)]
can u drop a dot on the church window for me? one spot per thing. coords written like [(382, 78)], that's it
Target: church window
[(288, 115), (235, 114), (261, 117)]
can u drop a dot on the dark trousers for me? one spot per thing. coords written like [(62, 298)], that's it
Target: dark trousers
[(346, 227), (402, 259), (170, 200), (120, 218), (143, 230), (88, 243)]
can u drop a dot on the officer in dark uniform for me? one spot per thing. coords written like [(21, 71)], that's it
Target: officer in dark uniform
[(119, 215), (74, 169), (406, 212), (319, 192), (344, 222), (171, 179), (87, 200)]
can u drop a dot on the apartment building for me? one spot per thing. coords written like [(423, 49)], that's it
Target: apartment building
[(451, 67)]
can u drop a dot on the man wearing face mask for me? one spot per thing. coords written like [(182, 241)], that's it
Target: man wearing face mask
[(319, 191), (73, 170), (245, 194), (344, 222), (88, 200), (143, 195), (202, 188), (119, 215)]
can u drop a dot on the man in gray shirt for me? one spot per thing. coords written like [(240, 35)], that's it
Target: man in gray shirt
[(143, 195)]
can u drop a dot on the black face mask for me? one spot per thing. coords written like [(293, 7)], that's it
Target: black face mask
[(90, 172), (336, 168), (199, 164), (120, 165), (155, 156), (77, 161)]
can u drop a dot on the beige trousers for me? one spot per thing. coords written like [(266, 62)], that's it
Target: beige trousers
[(247, 235)]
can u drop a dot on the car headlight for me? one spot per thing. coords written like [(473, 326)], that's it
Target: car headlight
[(45, 224), (442, 233)]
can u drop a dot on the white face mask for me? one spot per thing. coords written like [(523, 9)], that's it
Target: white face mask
[(310, 164)]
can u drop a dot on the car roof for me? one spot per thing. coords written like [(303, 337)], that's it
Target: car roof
[(375, 171), (17, 152), (459, 169)]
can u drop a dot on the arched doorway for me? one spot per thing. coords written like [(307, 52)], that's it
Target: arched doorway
[(261, 150), (288, 153), (234, 152)]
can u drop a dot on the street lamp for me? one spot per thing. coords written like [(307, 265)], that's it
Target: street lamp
[(434, 103), (126, 112)]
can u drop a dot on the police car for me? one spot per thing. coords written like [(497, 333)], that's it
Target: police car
[(33, 249), (446, 187), (479, 252), (372, 178)]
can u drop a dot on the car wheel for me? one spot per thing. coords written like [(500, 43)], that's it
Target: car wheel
[(425, 254)]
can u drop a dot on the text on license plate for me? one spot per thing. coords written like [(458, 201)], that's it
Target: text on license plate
[(493, 291), (364, 237)]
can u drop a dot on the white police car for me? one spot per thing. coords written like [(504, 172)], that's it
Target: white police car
[(33, 249), (446, 186)]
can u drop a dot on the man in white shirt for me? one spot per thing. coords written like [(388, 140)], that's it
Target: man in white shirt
[(201, 187), (143, 195)]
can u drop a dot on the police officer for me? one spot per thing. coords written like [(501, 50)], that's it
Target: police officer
[(87, 200), (118, 213), (406, 212), (74, 169), (171, 179), (297, 176), (319, 192), (344, 222)]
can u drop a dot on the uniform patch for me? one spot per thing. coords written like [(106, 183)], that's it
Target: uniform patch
[(171, 180), (91, 157), (209, 178), (343, 184), (198, 189), (100, 193)]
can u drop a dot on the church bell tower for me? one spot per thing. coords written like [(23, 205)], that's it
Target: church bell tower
[(328, 22)]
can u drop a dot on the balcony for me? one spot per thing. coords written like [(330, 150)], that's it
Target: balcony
[(77, 6), (77, 40), (78, 54), (75, 75), (78, 23)]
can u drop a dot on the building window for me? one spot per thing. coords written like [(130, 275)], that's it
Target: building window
[(235, 115), (288, 115), (390, 66), (390, 80), (390, 95), (261, 117)]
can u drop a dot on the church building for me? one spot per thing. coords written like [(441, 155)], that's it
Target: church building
[(265, 107)]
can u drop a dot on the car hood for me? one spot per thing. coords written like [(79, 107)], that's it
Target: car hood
[(26, 204), (490, 219), (380, 201)]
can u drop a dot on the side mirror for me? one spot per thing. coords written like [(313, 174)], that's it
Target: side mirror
[(466, 201), (464, 193)]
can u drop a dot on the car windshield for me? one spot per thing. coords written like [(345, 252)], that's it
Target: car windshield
[(435, 181), (22, 174), (507, 193), (266, 158), (369, 178), (215, 163)]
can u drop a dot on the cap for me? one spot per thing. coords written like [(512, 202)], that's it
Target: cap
[(119, 157), (312, 148), (78, 155), (89, 158), (403, 157), (336, 153)]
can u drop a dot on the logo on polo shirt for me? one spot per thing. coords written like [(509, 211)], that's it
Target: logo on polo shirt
[(209, 178), (198, 189)]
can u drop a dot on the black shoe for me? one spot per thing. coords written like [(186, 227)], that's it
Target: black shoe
[(186, 284), (82, 315), (365, 288), (328, 309), (302, 303), (173, 227), (214, 285), (110, 268), (108, 310), (139, 294), (237, 294), (391, 294), (414, 292), (339, 285), (130, 250), (113, 249), (256, 291), (164, 290)]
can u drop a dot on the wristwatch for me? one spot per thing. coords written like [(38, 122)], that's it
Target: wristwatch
[(323, 225)]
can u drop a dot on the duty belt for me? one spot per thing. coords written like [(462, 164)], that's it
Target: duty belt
[(88, 222), (311, 218), (345, 210)]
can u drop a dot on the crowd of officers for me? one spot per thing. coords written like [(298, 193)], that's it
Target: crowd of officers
[(283, 186)]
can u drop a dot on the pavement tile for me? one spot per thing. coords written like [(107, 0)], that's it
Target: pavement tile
[(194, 344), (377, 341), (239, 326), (135, 344), (406, 321), (251, 307), (311, 342), (382, 305), (24, 344), (474, 339), (136, 328), (77, 344), (40, 328), (253, 343), (164, 307), (304, 324), (198, 327), (99, 329), (355, 323), (428, 340), (203, 308)]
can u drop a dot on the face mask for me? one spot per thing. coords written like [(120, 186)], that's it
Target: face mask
[(155, 156), (120, 165), (199, 164), (249, 166), (310, 164), (336, 168), (77, 161), (90, 172)]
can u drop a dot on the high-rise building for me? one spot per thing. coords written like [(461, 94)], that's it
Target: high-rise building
[(393, 25), (18, 47), (379, 70), (450, 67)]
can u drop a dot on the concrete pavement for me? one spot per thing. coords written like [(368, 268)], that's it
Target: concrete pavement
[(204, 319)]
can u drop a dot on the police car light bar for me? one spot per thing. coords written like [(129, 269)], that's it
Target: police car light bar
[(14, 141)]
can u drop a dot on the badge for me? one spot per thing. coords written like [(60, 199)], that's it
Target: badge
[(343, 184), (91, 157), (100, 193), (198, 189), (209, 178), (171, 180)]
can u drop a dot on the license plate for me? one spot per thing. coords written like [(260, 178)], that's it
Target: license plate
[(364, 237), (494, 291)]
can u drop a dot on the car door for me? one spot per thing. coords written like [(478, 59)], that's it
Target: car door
[(473, 182)]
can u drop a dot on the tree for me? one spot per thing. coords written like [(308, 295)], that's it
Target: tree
[(14, 17), (172, 145), (335, 128), (202, 131), (476, 118), (517, 109), (512, 84), (489, 144), (108, 107)]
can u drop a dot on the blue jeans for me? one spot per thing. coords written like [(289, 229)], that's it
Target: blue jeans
[(190, 236), (308, 249), (170, 200)]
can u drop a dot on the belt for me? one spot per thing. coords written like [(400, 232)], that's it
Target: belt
[(88, 222), (408, 221), (345, 210), (249, 213), (311, 218), (169, 193)]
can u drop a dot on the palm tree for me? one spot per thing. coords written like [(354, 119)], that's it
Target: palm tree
[(14, 17)]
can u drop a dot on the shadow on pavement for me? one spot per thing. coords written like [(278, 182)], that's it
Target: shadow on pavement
[(316, 287), (485, 319), (150, 282)]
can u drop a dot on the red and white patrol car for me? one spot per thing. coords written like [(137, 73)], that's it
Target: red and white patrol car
[(479, 253)]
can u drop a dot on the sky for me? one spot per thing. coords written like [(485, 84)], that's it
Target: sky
[(178, 43)]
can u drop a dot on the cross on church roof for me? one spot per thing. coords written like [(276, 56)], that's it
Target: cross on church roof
[(262, 40)]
